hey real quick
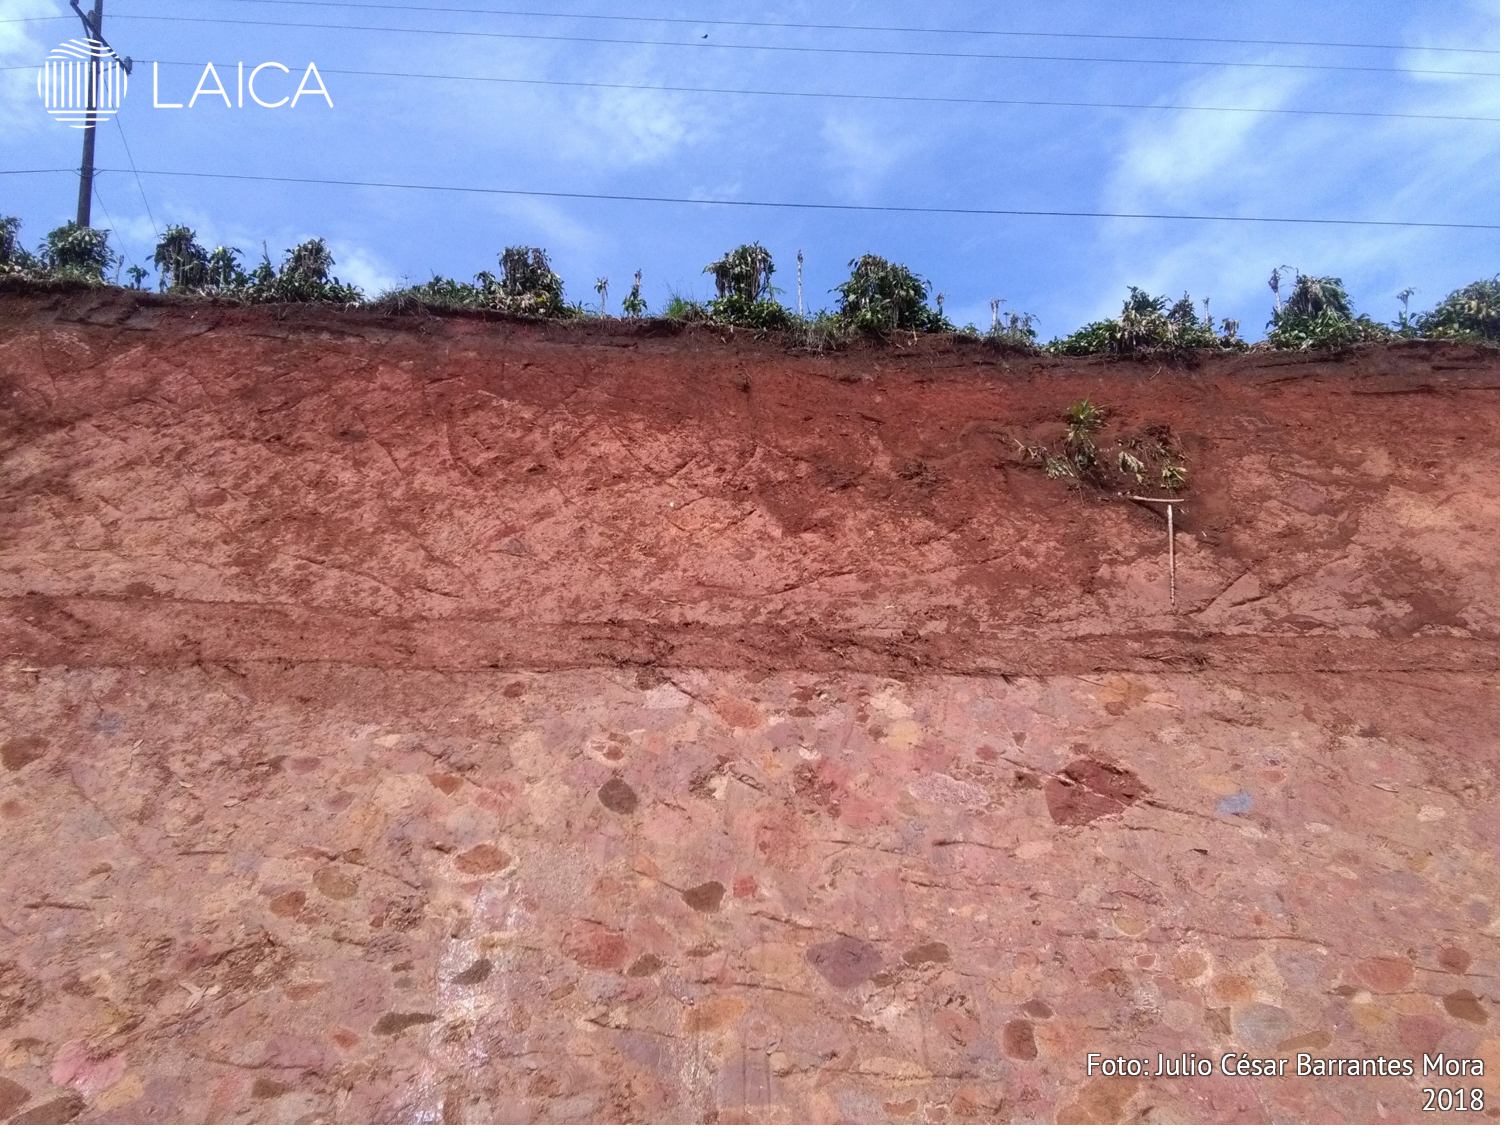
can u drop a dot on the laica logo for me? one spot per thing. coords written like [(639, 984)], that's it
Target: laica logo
[(82, 82), (210, 87)]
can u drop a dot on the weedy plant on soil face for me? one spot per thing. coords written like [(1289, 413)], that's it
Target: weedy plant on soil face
[(1148, 459)]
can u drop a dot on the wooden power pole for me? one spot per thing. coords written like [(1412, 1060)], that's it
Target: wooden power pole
[(94, 29)]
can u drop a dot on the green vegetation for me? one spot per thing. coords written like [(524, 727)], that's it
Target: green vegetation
[(181, 260), (1148, 325), (883, 297), (634, 304), (304, 275), (74, 252), (744, 272), (527, 287), (1473, 313), (1016, 331), (744, 293), (1148, 459), (1318, 314), (13, 256), (684, 309), (878, 298)]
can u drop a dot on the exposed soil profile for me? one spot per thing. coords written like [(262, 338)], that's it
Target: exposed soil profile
[(417, 720)]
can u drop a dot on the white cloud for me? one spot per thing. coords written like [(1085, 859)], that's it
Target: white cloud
[(630, 128), (520, 126), (540, 221), (28, 42), (860, 152), (23, 44), (1174, 157), (1292, 166), (358, 266)]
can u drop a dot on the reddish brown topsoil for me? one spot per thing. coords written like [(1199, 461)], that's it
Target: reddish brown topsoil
[(688, 611), (195, 483)]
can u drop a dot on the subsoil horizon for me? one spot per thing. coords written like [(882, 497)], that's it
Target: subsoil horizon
[(460, 717)]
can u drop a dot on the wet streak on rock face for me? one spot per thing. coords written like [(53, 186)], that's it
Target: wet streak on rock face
[(845, 962), (705, 898), (617, 796), (1094, 789)]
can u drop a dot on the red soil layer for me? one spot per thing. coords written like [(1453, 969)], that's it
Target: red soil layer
[(200, 483)]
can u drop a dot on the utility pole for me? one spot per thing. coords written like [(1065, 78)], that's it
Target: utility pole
[(94, 29)]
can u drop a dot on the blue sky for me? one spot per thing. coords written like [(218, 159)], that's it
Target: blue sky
[(1065, 271)]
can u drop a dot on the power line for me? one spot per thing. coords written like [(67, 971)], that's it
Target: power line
[(790, 25), (821, 206), (800, 49), (869, 27), (861, 96), (858, 96), (94, 191), (131, 159), (853, 95)]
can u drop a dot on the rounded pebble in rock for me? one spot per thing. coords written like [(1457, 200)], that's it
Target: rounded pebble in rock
[(483, 858), (618, 797), (845, 962), (705, 898)]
